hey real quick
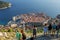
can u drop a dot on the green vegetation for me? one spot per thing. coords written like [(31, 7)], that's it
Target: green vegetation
[(3, 4)]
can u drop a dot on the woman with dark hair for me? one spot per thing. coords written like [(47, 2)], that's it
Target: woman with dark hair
[(23, 35), (45, 29), (54, 29), (34, 31), (50, 28)]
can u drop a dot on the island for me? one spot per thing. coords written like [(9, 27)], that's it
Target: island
[(4, 5)]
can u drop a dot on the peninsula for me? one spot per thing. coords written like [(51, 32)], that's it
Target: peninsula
[(4, 5)]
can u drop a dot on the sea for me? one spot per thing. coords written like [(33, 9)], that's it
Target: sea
[(49, 7)]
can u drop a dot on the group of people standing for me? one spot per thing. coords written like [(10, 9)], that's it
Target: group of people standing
[(52, 29), (20, 35)]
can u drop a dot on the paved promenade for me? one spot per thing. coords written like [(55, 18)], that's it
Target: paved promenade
[(48, 37)]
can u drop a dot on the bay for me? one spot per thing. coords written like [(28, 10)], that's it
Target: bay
[(50, 7)]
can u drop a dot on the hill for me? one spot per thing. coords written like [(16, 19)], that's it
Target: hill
[(4, 5)]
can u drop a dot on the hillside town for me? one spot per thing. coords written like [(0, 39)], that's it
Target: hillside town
[(29, 19)]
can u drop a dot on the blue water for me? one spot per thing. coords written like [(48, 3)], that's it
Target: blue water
[(50, 7)]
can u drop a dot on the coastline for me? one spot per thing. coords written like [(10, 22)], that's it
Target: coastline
[(6, 7)]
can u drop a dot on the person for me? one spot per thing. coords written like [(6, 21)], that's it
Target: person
[(34, 31), (45, 29), (50, 28), (23, 35), (18, 35), (53, 28), (57, 28)]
